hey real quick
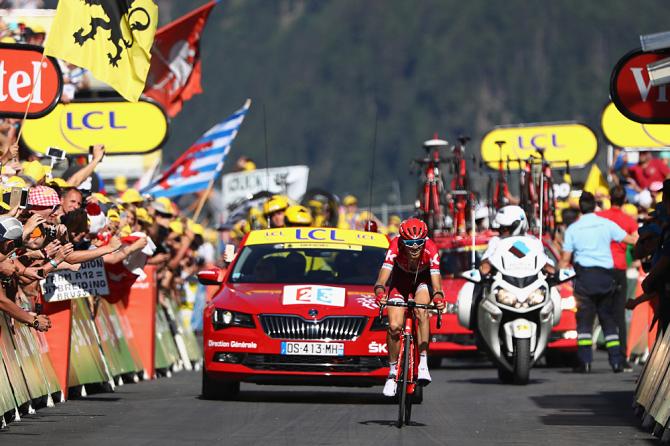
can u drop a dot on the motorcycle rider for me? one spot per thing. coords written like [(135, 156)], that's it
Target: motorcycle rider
[(412, 265), (511, 220)]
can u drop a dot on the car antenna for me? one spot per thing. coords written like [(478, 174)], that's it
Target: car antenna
[(267, 158), (372, 168)]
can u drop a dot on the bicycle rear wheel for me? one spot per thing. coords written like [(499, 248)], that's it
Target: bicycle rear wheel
[(403, 400)]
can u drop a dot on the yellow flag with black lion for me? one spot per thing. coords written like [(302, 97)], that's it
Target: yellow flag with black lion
[(111, 38)]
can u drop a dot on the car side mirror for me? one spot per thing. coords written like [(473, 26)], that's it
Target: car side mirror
[(566, 274), (472, 275), (212, 276)]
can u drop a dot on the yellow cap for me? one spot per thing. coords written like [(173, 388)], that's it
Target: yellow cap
[(4, 205), (120, 184), (365, 215), (125, 231), (177, 227), (211, 235), (131, 196), (37, 28), (143, 216), (297, 215), (164, 205), (630, 209), (102, 198), (60, 183), (196, 228), (316, 204), (394, 220), (349, 200), (113, 215), (249, 165), (15, 181), (34, 170), (275, 204)]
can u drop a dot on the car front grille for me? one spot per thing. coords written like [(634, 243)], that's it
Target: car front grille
[(336, 328), (306, 363)]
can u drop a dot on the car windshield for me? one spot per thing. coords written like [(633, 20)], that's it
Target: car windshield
[(455, 261), (291, 263)]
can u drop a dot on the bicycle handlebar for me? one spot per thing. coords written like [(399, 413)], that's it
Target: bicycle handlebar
[(412, 304)]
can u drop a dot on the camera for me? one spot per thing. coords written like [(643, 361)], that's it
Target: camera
[(50, 231), (56, 153)]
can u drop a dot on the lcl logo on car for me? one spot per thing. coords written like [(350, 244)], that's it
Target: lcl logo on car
[(313, 312)]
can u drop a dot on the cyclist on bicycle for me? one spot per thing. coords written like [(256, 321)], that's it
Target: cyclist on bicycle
[(413, 266)]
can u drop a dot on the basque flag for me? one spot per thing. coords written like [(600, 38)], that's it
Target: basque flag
[(202, 162), (174, 76)]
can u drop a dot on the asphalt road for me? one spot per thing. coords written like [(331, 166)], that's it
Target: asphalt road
[(465, 405)]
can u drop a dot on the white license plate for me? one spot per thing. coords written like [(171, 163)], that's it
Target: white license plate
[(312, 348)]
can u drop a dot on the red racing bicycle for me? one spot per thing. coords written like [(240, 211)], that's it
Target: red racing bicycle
[(408, 365)]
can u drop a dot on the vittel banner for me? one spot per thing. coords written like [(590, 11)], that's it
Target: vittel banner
[(631, 90), (23, 71)]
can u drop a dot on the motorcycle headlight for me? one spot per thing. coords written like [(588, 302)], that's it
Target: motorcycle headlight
[(536, 297), (225, 318), (505, 297)]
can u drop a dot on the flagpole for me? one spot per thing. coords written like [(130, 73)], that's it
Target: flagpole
[(30, 98), (201, 204)]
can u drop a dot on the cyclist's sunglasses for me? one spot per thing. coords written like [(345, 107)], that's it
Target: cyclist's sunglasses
[(417, 243)]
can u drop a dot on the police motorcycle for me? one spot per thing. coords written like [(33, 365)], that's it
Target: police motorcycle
[(517, 308)]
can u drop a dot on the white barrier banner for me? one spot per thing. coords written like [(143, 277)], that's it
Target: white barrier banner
[(90, 280), (288, 180)]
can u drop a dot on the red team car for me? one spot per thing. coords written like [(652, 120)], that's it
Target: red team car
[(296, 307)]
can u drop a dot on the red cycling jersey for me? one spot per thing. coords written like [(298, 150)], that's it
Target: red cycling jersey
[(430, 258)]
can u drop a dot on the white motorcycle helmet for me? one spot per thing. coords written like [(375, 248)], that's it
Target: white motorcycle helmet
[(513, 218)]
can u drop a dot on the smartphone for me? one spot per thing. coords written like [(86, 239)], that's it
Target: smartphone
[(56, 153), (15, 197), (23, 202)]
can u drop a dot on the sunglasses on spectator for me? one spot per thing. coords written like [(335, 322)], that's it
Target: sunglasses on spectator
[(417, 243), (37, 233)]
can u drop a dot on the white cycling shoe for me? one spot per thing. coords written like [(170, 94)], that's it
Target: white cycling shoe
[(423, 378), (390, 387)]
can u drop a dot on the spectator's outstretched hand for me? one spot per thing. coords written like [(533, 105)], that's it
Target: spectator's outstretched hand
[(30, 225), (52, 248), (63, 252), (115, 243), (98, 152)]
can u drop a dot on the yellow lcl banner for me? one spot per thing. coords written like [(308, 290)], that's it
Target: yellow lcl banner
[(123, 127), (316, 235), (560, 142), (623, 132), (112, 39)]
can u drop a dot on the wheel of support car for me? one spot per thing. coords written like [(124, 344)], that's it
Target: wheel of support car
[(213, 389)]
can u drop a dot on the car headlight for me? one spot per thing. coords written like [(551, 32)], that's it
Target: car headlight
[(505, 297), (536, 297), (225, 318)]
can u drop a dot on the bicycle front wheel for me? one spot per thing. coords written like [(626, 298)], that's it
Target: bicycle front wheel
[(402, 382)]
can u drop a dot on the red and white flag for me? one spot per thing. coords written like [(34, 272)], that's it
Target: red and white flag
[(174, 76)]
